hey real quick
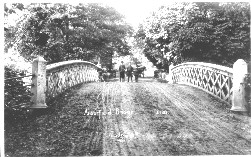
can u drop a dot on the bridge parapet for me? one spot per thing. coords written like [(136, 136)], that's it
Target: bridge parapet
[(63, 75), (212, 78), (51, 80)]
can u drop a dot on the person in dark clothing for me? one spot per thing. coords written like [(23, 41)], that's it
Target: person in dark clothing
[(100, 75), (136, 74), (122, 71), (129, 72)]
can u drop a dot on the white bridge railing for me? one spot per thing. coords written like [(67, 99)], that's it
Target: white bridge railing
[(214, 79), (228, 84), (63, 75), (51, 80)]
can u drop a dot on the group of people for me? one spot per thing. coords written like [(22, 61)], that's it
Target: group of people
[(129, 71)]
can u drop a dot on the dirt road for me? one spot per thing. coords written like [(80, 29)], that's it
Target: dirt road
[(144, 118)]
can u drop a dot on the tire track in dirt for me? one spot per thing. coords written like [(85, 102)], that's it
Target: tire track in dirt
[(190, 127), (185, 103), (111, 129), (142, 123), (161, 125), (135, 135), (203, 122), (131, 125), (224, 133), (244, 120), (192, 123), (90, 141)]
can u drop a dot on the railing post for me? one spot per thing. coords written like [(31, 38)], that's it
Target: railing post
[(249, 92), (240, 69), (249, 67), (170, 74), (96, 75), (39, 81)]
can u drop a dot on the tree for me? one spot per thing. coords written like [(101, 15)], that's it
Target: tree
[(59, 32), (208, 32), (62, 32)]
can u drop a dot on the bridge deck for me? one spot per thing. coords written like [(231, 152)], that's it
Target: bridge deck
[(144, 118)]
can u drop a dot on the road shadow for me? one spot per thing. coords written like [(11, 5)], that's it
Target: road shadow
[(141, 79)]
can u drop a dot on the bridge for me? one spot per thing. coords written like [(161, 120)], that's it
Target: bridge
[(202, 110)]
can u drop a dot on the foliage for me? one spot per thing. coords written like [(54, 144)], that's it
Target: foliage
[(16, 95), (210, 32), (58, 32), (62, 31)]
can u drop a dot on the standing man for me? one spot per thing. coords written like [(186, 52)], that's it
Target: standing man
[(100, 75), (122, 71), (136, 73), (129, 71)]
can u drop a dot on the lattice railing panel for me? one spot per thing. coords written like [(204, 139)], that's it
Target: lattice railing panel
[(214, 79), (61, 76)]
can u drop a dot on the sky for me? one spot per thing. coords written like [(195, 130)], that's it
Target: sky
[(136, 11), (133, 10)]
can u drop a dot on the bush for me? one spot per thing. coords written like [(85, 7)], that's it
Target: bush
[(16, 95)]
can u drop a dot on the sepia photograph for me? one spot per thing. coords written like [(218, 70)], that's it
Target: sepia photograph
[(126, 78)]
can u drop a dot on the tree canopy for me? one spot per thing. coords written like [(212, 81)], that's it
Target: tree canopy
[(201, 31), (62, 31), (58, 32)]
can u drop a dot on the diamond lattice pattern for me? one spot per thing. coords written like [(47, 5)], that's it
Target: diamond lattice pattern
[(214, 81)]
